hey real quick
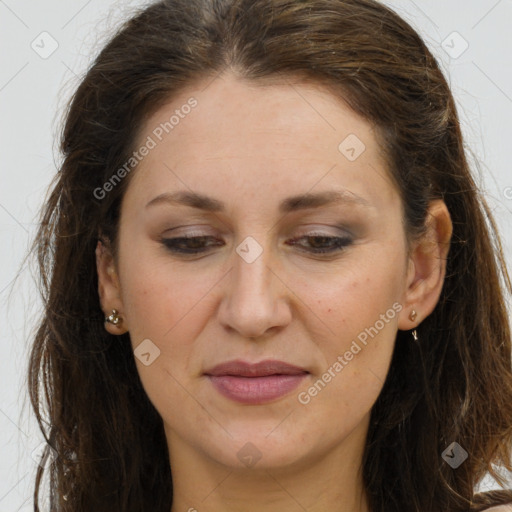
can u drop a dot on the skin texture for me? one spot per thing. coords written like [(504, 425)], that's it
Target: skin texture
[(251, 146)]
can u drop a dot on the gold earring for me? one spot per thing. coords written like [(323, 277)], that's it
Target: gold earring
[(113, 318), (412, 317)]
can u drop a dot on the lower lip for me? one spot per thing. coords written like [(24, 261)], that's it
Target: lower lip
[(255, 390)]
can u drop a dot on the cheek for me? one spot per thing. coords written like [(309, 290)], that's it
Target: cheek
[(359, 312), (170, 308), (156, 297), (354, 299), (166, 309), (356, 351)]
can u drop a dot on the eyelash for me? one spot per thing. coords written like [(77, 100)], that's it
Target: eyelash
[(338, 244)]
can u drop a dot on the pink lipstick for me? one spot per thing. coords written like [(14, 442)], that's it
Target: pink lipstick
[(257, 383)]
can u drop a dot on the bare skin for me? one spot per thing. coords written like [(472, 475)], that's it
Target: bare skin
[(251, 147)]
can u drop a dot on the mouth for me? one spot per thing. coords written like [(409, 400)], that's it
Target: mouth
[(255, 384), (265, 368)]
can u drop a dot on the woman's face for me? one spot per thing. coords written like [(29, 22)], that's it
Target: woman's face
[(301, 260)]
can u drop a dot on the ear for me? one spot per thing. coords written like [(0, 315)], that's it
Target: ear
[(109, 289), (427, 266)]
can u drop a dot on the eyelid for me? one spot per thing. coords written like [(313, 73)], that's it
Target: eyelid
[(311, 230), (320, 230), (194, 231), (338, 230)]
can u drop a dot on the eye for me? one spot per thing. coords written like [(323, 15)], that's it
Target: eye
[(187, 244), (323, 244)]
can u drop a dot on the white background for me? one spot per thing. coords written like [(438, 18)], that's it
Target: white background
[(33, 91)]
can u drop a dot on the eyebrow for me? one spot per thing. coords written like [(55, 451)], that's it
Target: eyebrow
[(290, 204)]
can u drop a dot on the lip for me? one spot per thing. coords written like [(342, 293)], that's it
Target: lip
[(257, 383), (264, 368)]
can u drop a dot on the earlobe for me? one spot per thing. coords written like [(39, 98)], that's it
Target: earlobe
[(109, 290), (427, 266)]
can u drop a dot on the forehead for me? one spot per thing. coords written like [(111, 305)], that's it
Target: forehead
[(259, 139)]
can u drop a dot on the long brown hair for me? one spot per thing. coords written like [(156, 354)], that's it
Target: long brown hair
[(455, 385)]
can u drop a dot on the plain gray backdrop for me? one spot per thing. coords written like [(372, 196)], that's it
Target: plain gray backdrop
[(45, 48)]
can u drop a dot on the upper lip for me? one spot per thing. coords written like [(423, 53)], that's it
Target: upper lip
[(261, 369)]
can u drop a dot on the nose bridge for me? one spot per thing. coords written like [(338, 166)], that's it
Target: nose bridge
[(252, 278), (252, 274)]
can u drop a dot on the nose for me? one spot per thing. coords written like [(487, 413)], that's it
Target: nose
[(255, 298)]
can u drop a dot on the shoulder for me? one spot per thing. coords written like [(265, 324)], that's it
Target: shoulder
[(500, 508)]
